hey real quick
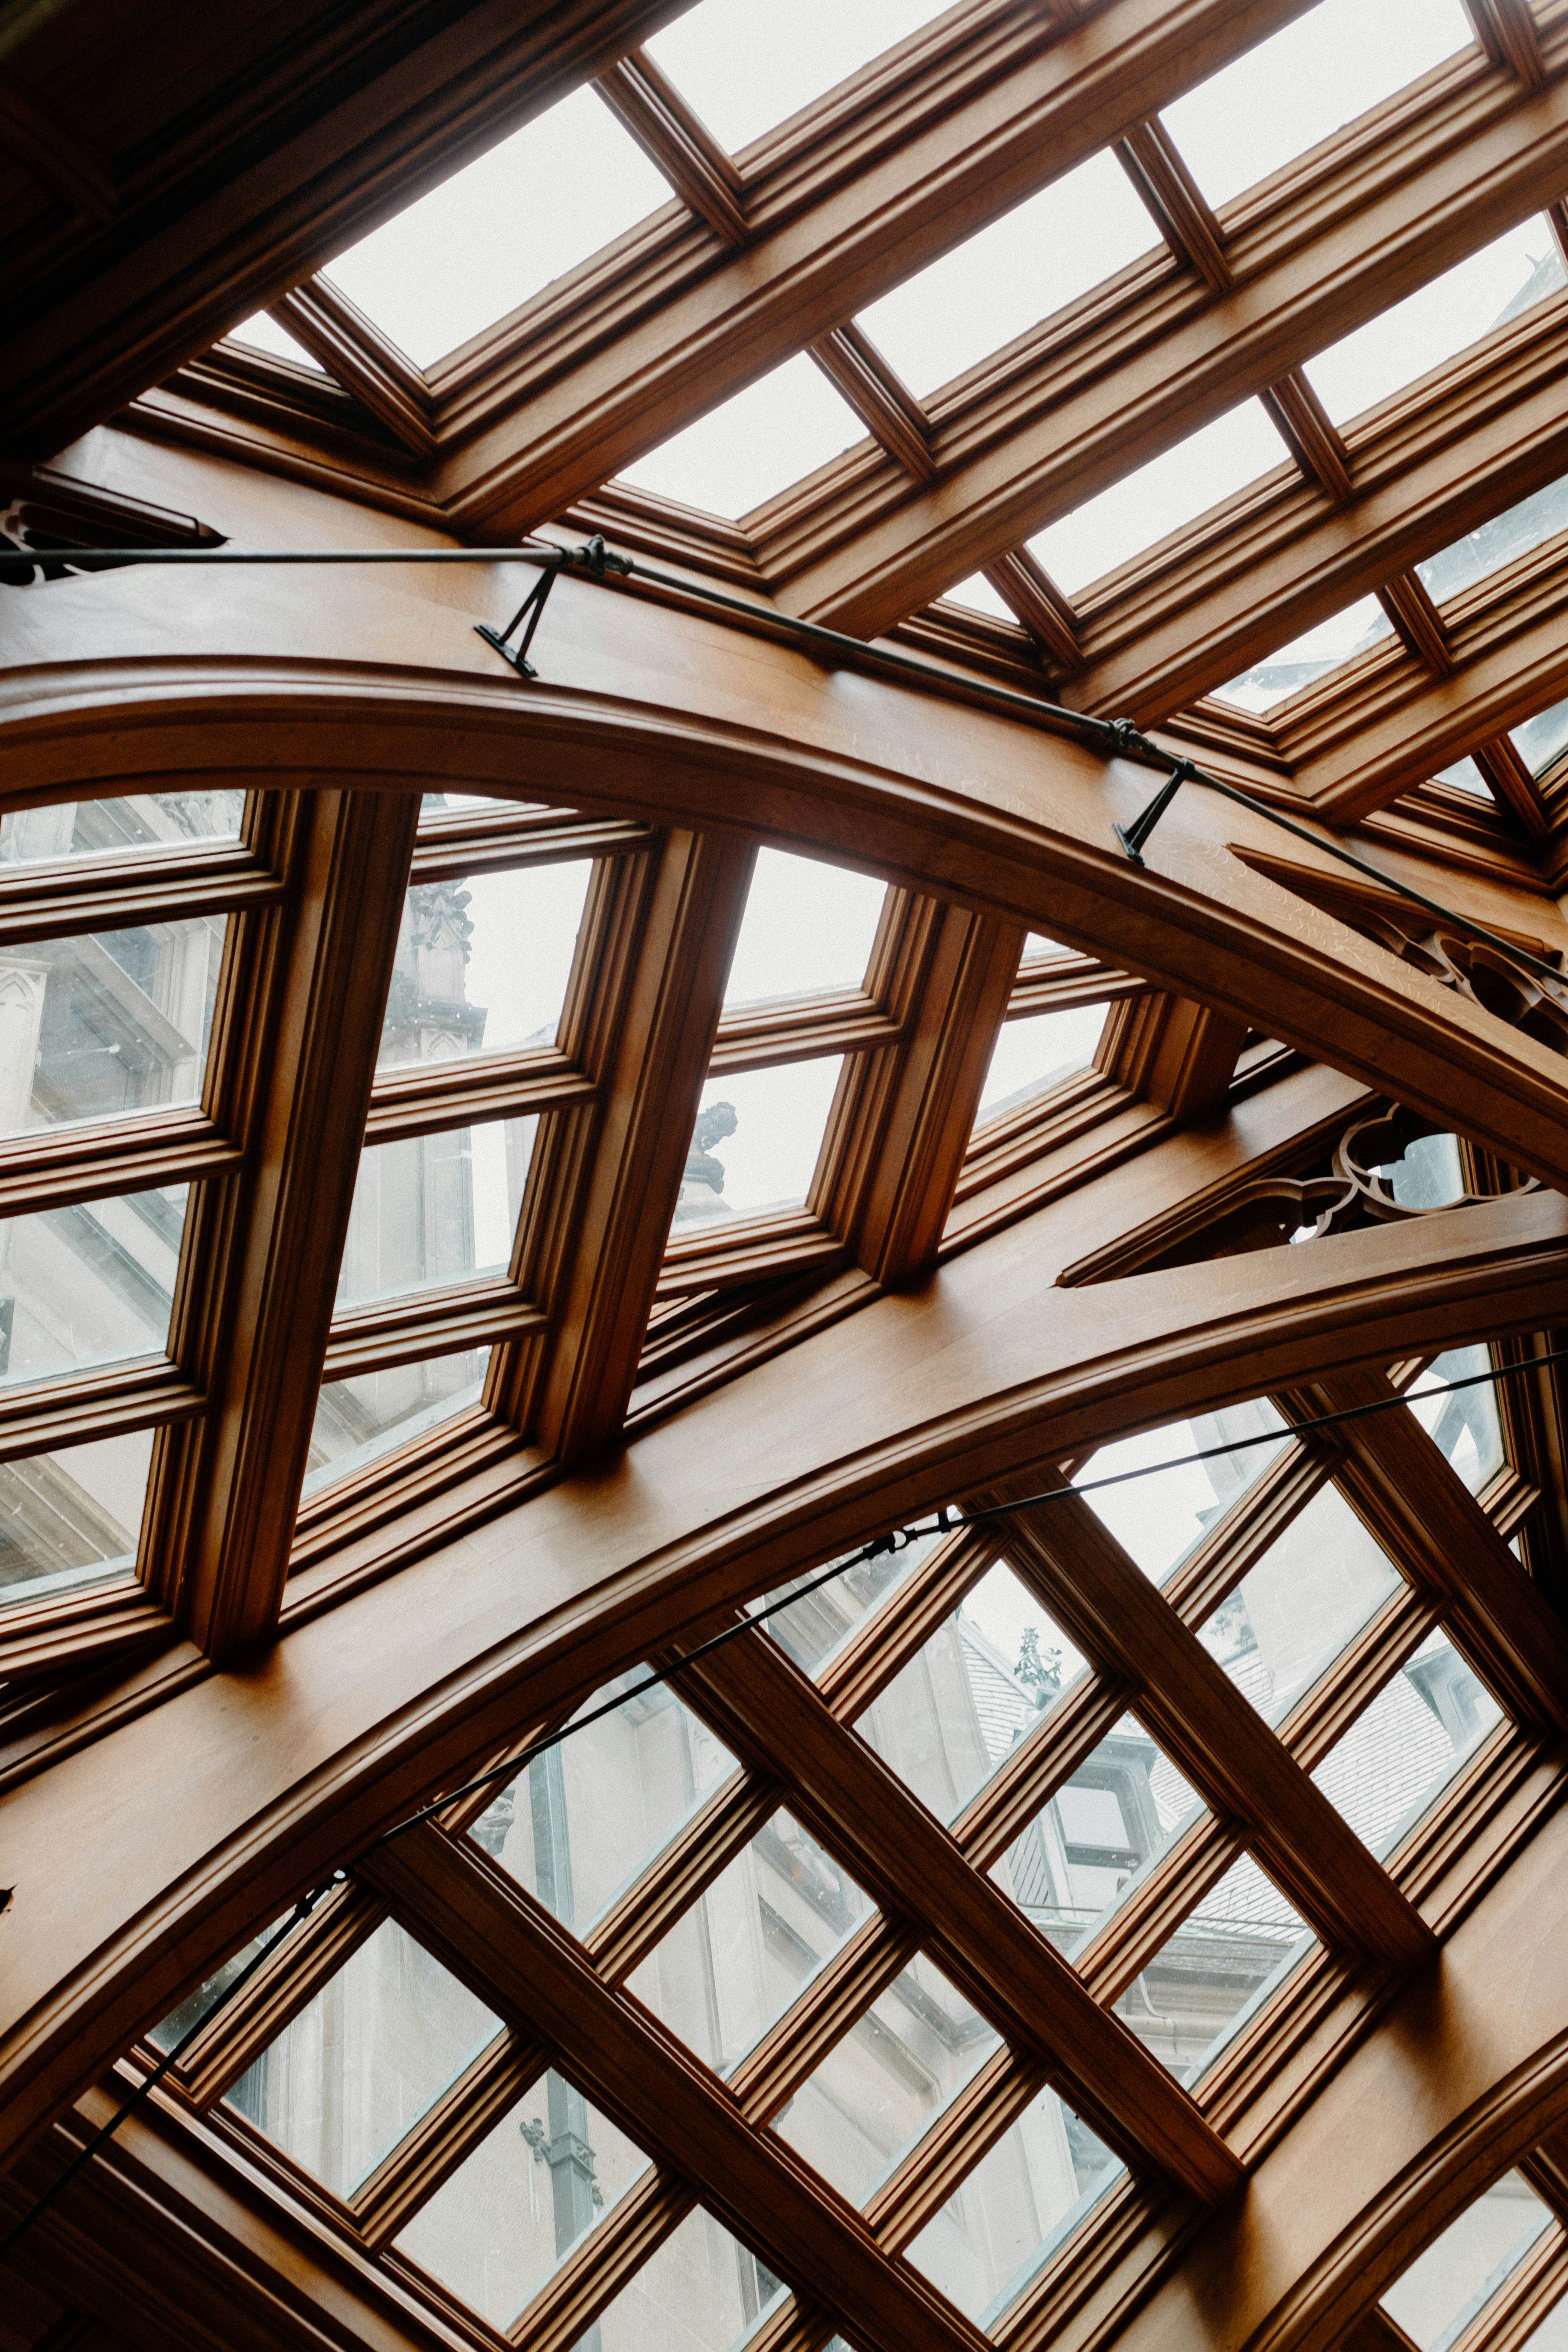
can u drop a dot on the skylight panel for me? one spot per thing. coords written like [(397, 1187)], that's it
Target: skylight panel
[(745, 65), (1402, 1751), (1005, 278), (1460, 2271), (141, 821), (977, 596), (1220, 1966), (1036, 1053), (111, 1024), (1436, 323), (1157, 1517), (1465, 1423), (72, 1518), (91, 1282), (360, 1419), (1306, 83), (1541, 739), (807, 929), (496, 232), (1309, 658), (263, 333), (1160, 498), (429, 1210), (1465, 777), (483, 964), (756, 1144), (702, 2291), (749, 449), (1517, 532)]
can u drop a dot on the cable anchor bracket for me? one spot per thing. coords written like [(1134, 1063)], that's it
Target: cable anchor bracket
[(594, 559), (1133, 836)]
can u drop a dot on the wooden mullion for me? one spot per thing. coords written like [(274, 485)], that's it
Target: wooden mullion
[(716, 1834), (1303, 424), (58, 902), (354, 350), (1513, 2313), (1155, 1909), (445, 2136), (843, 1022), (1514, 785), (884, 404), (41, 1641), (50, 1166), (287, 1983), (606, 2260), (96, 1403), (760, 1249), (505, 841), (1374, 1654), (1065, 1737), (971, 2124), (1154, 165), (900, 1625), (677, 143), (1417, 621), (1247, 1532), (1039, 988), (377, 1343), (505, 1086), (843, 1989), (1038, 603), (1507, 32)]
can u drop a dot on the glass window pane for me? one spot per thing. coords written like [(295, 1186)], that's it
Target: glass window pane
[(1308, 658), (370, 2054), (997, 2230), (733, 1963), (748, 65), (102, 1026), (262, 333), (1428, 1174), (1402, 1751), (88, 1284), (1551, 2336), (817, 1628), (1460, 2271), (435, 1208), (751, 447), (1466, 777), (534, 2186), (701, 2292), (1097, 1836), (1519, 531), (977, 596), (877, 2090), (1438, 322), (1159, 1517), (1036, 1053), (1220, 1965), (1003, 281), (194, 2009), (482, 964), (755, 1145), (73, 1517), (963, 1702), (587, 1817), (1464, 1423), (1304, 83), (1293, 1613), (368, 1414), (1163, 497), (807, 928), (116, 828), (1541, 739), (455, 262)]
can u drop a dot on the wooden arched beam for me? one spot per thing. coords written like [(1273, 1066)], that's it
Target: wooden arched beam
[(344, 678)]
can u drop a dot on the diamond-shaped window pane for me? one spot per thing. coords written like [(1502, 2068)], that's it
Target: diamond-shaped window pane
[(753, 446), (1519, 531), (531, 2190), (964, 1701), (1221, 1964), (875, 2093), (807, 929), (1445, 2288), (733, 1963), (746, 66), (482, 964), (368, 2057), (1097, 1836), (1542, 740), (586, 1818), (1035, 1053), (816, 1629), (1464, 1422), (1293, 1613), (1308, 658), (999, 2227), (1402, 1750), (1158, 1516), (702, 2291)]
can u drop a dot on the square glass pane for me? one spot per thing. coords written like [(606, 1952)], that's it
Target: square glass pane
[(1308, 658), (107, 1024), (1518, 531), (530, 2191), (1438, 322), (1098, 1836), (375, 2050), (807, 929), (1009, 276), (73, 1517), (435, 1208), (752, 445), (1304, 83), (262, 333), (702, 2291), (1293, 1613), (1462, 2269), (1464, 1423), (1466, 777), (587, 1817), (1161, 498), (118, 828), (452, 264), (878, 2090), (1402, 1751), (482, 964), (961, 1705), (370, 1413), (1542, 740), (1221, 1964), (1159, 1516), (1035, 1053), (88, 1284), (748, 65), (997, 2230), (733, 1963), (757, 1142), (816, 1629)]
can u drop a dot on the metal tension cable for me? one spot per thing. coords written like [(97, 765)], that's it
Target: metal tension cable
[(1119, 737), (947, 1521)]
